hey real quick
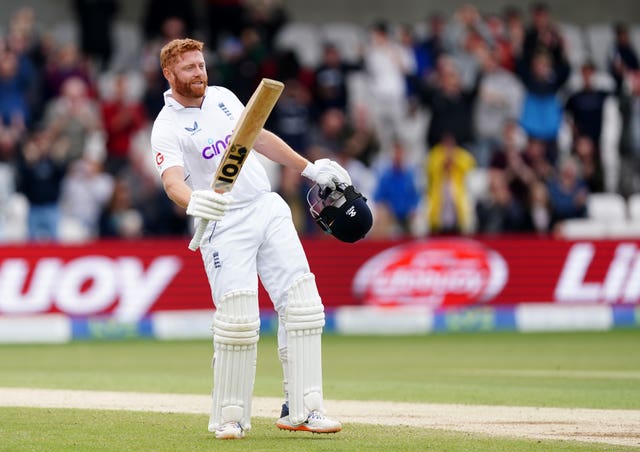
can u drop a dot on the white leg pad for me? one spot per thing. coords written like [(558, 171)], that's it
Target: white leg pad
[(236, 328), (304, 319)]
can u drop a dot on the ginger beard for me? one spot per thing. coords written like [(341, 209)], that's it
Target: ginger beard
[(192, 88)]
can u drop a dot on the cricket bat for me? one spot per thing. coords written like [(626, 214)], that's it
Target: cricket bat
[(243, 138)]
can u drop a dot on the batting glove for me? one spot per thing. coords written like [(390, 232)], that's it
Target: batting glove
[(326, 173), (208, 204)]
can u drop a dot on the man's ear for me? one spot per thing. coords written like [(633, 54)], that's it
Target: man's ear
[(167, 74)]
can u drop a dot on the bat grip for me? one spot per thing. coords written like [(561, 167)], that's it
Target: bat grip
[(194, 244)]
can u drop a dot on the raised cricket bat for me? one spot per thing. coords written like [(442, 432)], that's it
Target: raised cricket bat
[(244, 136)]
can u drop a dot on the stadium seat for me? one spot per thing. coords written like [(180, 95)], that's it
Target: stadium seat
[(16, 212), (348, 37), (633, 207), (478, 183), (599, 39), (625, 229), (575, 43), (66, 33), (127, 46), (583, 228), (606, 207), (304, 40)]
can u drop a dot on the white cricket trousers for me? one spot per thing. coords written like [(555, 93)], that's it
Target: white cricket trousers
[(256, 240)]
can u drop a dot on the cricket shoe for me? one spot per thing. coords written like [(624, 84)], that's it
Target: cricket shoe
[(316, 422), (229, 430)]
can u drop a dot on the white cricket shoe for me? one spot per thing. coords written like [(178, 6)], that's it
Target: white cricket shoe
[(315, 423), (229, 430)]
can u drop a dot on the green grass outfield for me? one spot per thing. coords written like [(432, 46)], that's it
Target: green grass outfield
[(587, 370)]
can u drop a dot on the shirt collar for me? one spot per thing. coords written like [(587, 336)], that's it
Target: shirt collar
[(170, 101)]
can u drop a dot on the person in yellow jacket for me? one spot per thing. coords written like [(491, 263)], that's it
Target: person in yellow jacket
[(449, 207)]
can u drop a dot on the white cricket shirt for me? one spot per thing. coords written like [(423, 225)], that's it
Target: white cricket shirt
[(196, 138)]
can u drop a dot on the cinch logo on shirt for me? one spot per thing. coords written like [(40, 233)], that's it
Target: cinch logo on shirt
[(216, 147)]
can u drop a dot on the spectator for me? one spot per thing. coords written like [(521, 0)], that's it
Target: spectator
[(500, 212), (542, 35), (535, 156), (567, 193), (330, 81), (510, 160), (123, 116), (85, 191), (466, 21), (515, 33), (624, 57), (387, 65), (331, 131), (157, 12), (236, 69), (450, 104), (67, 63), (267, 17), (284, 65), (292, 116), (502, 46), (433, 44), (409, 42), (499, 101), (362, 141), (539, 208), (225, 19), (586, 107), (589, 163), (40, 170), (95, 19), (542, 112), (449, 209), (74, 117), (119, 219), (14, 109), (396, 194), (630, 139), (27, 74)]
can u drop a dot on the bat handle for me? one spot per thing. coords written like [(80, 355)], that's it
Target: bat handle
[(194, 244)]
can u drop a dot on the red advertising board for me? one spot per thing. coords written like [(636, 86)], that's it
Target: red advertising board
[(133, 278)]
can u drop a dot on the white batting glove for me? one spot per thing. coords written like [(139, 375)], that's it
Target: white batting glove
[(326, 173), (208, 204)]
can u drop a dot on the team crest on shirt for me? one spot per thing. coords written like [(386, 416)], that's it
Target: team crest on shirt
[(195, 129), (226, 111)]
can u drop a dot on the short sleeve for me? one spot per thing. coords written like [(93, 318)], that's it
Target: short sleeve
[(165, 147)]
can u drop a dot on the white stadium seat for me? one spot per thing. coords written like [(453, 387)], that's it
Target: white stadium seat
[(583, 228), (600, 39), (633, 206), (304, 40), (606, 207), (623, 229), (349, 38), (575, 43)]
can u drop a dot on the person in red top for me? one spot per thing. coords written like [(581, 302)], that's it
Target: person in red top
[(122, 117)]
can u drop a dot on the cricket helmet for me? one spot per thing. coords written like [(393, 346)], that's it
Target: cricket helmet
[(342, 212)]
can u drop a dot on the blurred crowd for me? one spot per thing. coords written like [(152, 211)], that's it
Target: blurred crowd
[(468, 123)]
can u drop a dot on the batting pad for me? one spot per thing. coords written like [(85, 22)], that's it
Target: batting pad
[(235, 337), (304, 319)]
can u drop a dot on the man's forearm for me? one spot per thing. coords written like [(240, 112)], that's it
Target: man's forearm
[(275, 148), (174, 186)]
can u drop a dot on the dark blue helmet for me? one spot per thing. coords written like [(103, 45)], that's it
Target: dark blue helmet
[(342, 212)]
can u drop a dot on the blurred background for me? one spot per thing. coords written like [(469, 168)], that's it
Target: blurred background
[(507, 132)]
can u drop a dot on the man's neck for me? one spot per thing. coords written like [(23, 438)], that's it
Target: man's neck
[(188, 101)]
